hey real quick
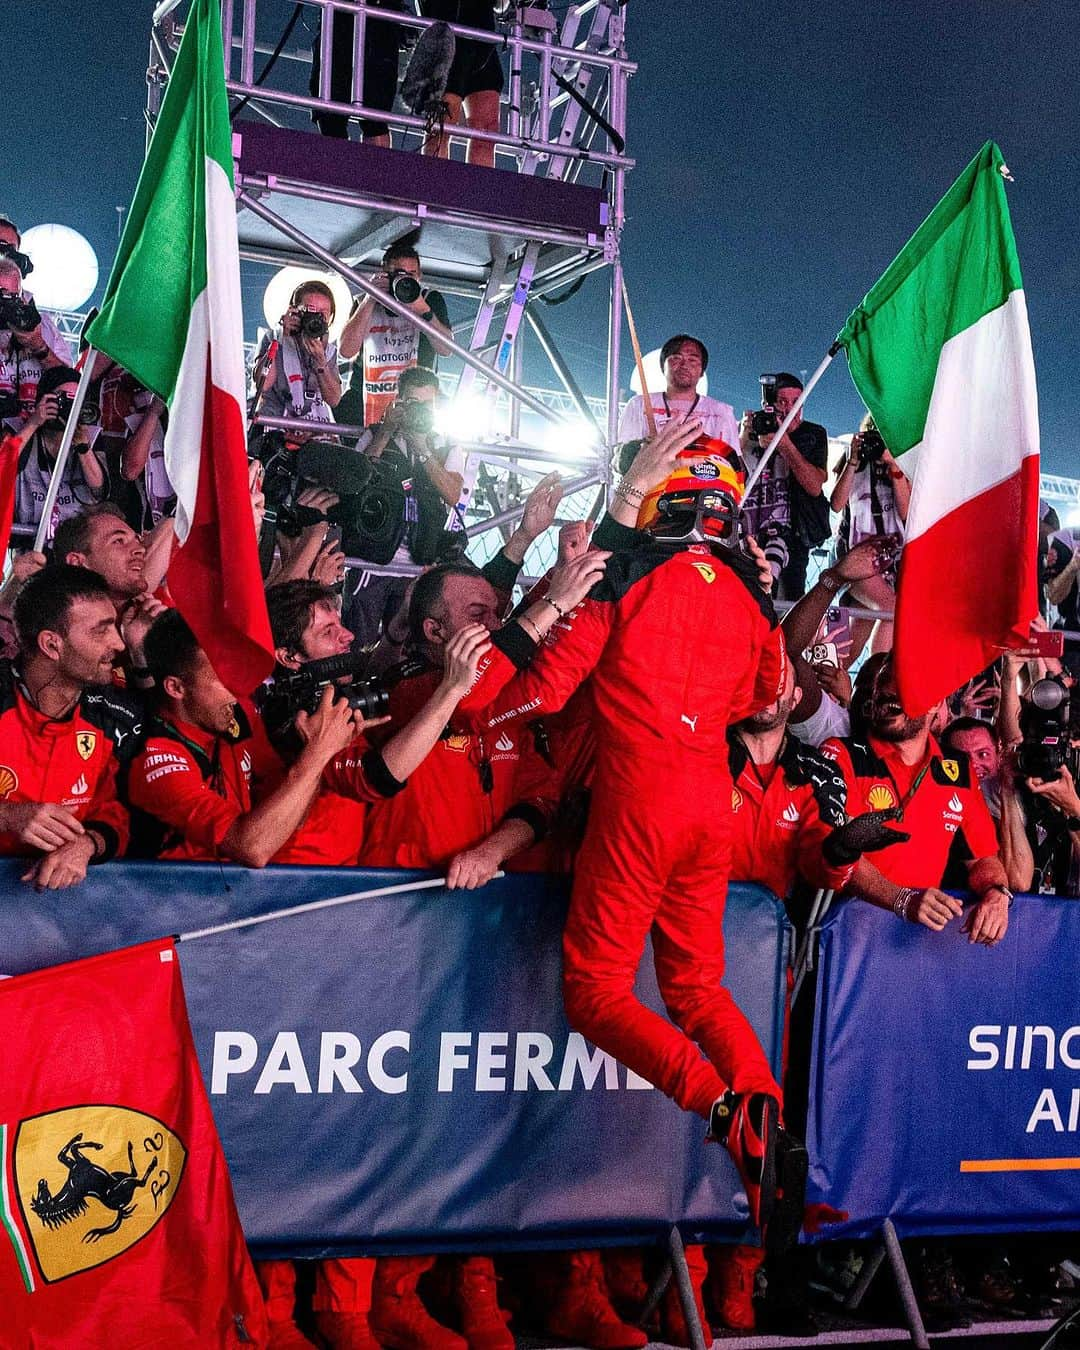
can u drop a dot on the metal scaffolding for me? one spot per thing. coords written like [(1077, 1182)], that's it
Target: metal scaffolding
[(549, 213)]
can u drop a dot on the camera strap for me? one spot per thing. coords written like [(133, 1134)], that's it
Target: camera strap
[(689, 412)]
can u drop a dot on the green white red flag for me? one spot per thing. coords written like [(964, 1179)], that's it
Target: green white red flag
[(117, 1221), (941, 353), (172, 316)]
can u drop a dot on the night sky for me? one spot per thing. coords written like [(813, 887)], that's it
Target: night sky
[(785, 153)]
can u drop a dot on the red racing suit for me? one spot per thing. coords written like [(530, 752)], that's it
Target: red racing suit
[(783, 812), (679, 643), (72, 760)]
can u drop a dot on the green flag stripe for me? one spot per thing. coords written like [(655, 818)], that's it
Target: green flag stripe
[(8, 1217), (160, 268), (959, 265)]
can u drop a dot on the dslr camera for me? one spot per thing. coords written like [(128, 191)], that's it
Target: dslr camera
[(765, 422), (89, 413), (1046, 743), (417, 419), (313, 324), (871, 447), (301, 690), (404, 287), (22, 261), (17, 314)]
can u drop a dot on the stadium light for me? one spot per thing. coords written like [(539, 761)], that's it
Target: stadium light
[(654, 376), (574, 440), (465, 417), (284, 282), (65, 271)]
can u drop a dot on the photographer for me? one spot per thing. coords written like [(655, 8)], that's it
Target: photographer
[(297, 374), (380, 72), (29, 342), (871, 494), (785, 510), (37, 442), (387, 343)]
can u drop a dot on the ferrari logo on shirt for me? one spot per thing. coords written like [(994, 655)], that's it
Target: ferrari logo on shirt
[(706, 572), (85, 742), (881, 797), (951, 769), (234, 730)]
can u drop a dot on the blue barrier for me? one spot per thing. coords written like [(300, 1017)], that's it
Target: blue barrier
[(945, 1092), (397, 1074)]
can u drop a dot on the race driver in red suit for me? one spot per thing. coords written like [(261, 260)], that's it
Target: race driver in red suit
[(680, 641)]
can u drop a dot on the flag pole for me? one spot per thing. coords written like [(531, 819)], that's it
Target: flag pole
[(646, 401), (85, 376), (782, 428), (406, 888)]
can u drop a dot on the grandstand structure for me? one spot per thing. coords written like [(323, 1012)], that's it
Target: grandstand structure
[(549, 213)]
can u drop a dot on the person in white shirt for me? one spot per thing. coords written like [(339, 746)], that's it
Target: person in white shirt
[(683, 360)]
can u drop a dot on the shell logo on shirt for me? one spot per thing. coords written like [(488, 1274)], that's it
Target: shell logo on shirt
[(9, 781), (736, 799), (881, 797), (458, 742)]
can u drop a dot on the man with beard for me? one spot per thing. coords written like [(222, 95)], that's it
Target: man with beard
[(899, 765)]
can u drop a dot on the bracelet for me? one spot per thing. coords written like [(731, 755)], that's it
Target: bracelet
[(905, 898), (629, 491), (562, 613), (539, 637)]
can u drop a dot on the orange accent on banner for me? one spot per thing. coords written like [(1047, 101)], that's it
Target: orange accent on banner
[(1020, 1165)]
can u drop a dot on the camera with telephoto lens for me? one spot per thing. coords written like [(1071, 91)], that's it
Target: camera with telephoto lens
[(404, 287), (18, 315), (871, 447), (1046, 744), (765, 422), (301, 690), (22, 261), (417, 419), (89, 413), (313, 324)]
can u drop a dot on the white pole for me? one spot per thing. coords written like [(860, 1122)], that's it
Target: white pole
[(404, 889), (782, 428), (65, 450)]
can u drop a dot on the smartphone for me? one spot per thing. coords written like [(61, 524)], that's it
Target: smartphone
[(823, 654), (1046, 645)]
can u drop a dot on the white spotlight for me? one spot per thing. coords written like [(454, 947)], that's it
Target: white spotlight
[(654, 376), (65, 271)]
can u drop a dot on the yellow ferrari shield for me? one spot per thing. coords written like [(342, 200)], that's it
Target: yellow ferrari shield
[(92, 1181), (85, 742), (705, 571), (951, 769)]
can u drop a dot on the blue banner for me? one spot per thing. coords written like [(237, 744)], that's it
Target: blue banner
[(945, 1077), (397, 1074)]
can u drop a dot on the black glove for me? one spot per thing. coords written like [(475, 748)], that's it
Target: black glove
[(864, 834)]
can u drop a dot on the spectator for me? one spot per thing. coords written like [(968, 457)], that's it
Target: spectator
[(29, 342), (871, 494), (475, 80), (785, 510), (1063, 579), (297, 375), (23, 567), (899, 766), (61, 736), (822, 711), (388, 343), (83, 482), (683, 360), (132, 444), (380, 72)]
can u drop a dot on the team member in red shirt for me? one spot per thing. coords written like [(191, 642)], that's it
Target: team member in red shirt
[(899, 765), (61, 733), (680, 641)]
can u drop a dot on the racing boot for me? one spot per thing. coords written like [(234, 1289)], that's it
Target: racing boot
[(483, 1322), (398, 1318), (342, 1303), (675, 1331), (745, 1123), (277, 1280), (345, 1331), (732, 1273), (627, 1286), (582, 1313)]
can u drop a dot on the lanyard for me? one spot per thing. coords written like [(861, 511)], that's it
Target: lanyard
[(905, 800), (689, 411)]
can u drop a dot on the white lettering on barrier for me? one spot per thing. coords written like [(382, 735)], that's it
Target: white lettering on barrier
[(226, 1063), (1042, 1049), (284, 1064), (391, 1083)]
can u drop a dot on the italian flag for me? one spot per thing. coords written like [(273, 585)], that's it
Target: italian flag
[(941, 353), (172, 317)]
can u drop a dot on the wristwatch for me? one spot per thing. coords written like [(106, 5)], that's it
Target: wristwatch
[(830, 583), (997, 886), (428, 315), (1072, 823)]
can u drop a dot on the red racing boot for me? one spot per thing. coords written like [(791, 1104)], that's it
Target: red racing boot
[(345, 1331), (398, 1318), (731, 1284), (746, 1123), (277, 1280), (673, 1319), (624, 1276), (582, 1313), (483, 1322)]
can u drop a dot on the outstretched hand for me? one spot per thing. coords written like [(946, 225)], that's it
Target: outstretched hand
[(863, 834)]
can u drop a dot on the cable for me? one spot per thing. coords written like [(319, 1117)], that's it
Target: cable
[(568, 294), (272, 58)]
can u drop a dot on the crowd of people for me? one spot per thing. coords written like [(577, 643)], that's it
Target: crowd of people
[(530, 732)]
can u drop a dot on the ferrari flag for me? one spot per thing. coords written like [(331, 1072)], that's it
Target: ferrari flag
[(172, 317), (119, 1227), (941, 353)]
